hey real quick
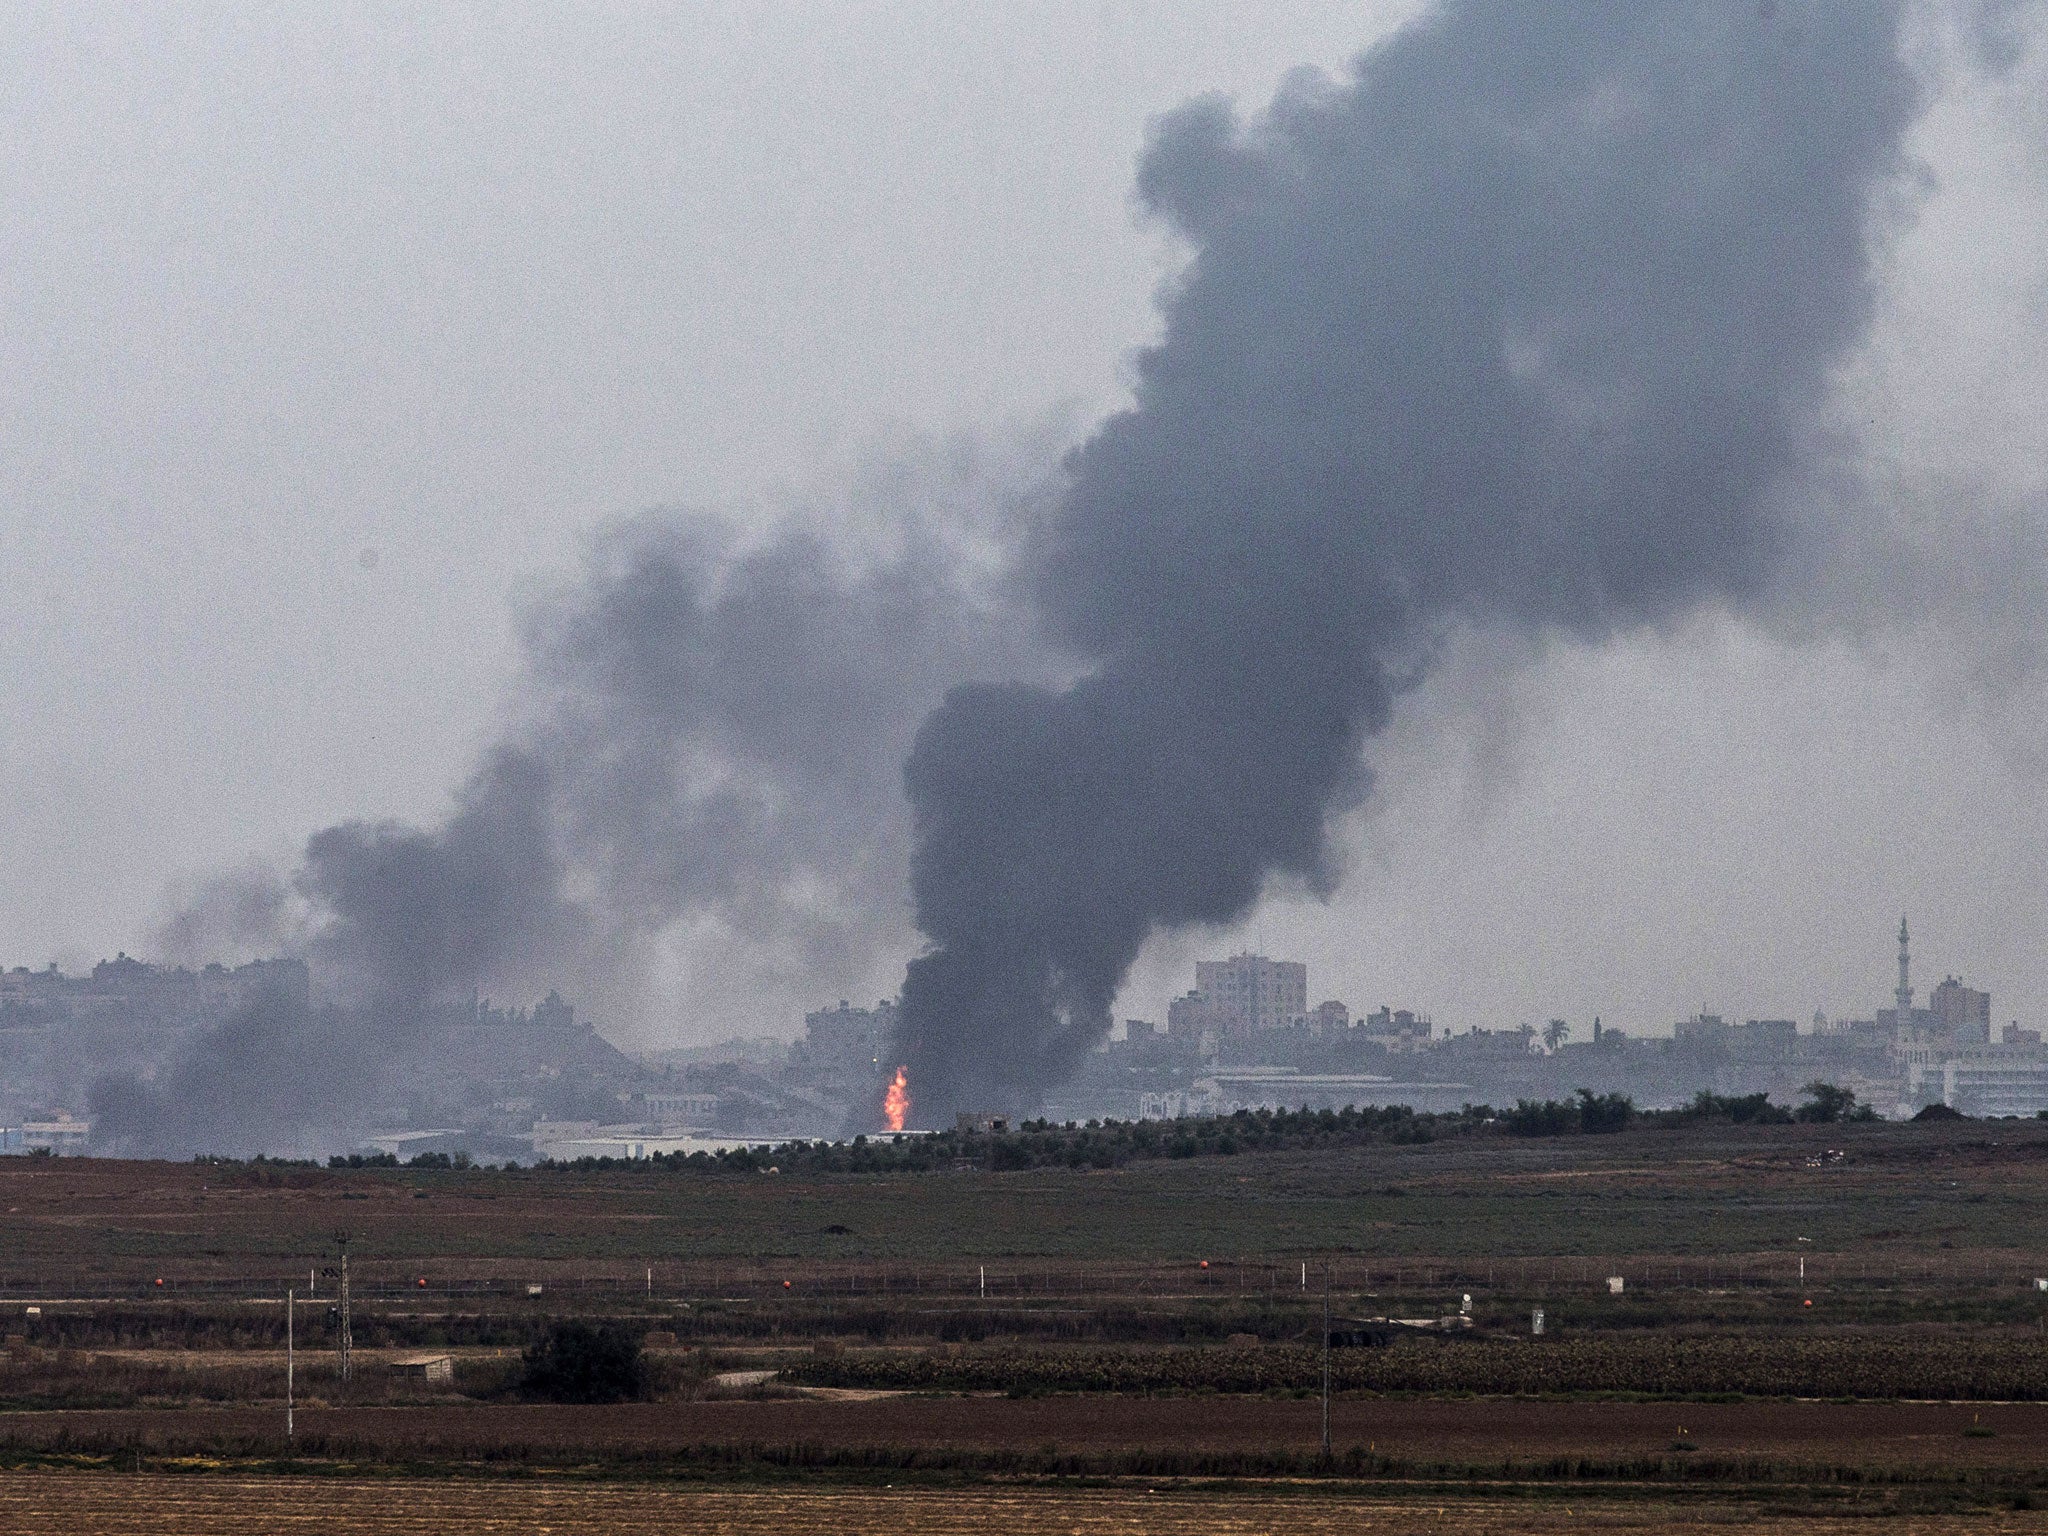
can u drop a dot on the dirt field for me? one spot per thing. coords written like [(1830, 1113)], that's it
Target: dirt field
[(109, 1504), (1480, 1436)]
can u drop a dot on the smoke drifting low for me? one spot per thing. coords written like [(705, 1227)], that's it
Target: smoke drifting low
[(704, 761), (1525, 324)]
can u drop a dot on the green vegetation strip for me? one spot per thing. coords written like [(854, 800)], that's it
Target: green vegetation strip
[(1785, 1483), (1114, 1143), (1950, 1369)]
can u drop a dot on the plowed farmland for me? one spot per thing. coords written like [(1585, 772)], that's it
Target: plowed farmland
[(179, 1506)]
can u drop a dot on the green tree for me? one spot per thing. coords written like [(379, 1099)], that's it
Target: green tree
[(1827, 1103), (1600, 1113)]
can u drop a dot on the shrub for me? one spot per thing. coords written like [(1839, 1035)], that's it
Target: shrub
[(1742, 1109), (579, 1362), (1828, 1103), (1550, 1117), (1600, 1113)]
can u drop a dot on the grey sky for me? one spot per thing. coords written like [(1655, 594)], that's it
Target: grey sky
[(453, 286)]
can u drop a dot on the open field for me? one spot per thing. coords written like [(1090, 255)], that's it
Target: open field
[(1701, 1207), (2002, 1445), (1155, 1321), (118, 1505)]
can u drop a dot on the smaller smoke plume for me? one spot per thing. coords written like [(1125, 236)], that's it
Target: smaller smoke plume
[(702, 776)]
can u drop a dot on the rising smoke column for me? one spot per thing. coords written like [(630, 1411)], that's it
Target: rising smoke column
[(1524, 324)]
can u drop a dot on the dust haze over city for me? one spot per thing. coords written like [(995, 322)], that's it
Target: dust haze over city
[(1173, 560)]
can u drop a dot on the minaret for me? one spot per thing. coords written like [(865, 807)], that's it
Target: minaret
[(1904, 996)]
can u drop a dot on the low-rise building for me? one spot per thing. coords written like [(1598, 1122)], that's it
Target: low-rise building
[(565, 1141), (424, 1367), (1488, 1044), (1227, 1091), (1980, 1081), (1396, 1029), (668, 1107), (63, 1136)]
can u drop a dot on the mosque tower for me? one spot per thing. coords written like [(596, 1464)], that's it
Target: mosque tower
[(1903, 998)]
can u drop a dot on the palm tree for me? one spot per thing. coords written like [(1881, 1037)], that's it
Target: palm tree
[(1555, 1033)]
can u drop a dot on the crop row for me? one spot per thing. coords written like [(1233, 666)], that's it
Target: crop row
[(1945, 1368)]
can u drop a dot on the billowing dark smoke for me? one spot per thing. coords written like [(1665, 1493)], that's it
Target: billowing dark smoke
[(710, 736), (1525, 323)]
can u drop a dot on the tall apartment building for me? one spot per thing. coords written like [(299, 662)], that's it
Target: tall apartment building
[(1252, 992), (845, 1045), (1960, 1012)]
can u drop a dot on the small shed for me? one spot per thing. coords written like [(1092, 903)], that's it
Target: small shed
[(424, 1367)]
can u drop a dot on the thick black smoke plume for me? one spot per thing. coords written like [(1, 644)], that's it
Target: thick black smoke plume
[(1525, 323)]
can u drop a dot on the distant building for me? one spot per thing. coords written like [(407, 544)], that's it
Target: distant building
[(63, 1136), (1944, 1053), (844, 1045), (1980, 1081), (1488, 1044), (566, 1140), (1854, 1034), (127, 991), (424, 1367), (1955, 1013), (1195, 1016), (486, 1044), (1168, 1104), (1395, 1029), (1759, 1040), (1702, 1029), (1227, 1091), (1326, 1021), (1960, 1012), (672, 1108), (1251, 992)]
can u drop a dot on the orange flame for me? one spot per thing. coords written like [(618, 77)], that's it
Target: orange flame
[(896, 1102)]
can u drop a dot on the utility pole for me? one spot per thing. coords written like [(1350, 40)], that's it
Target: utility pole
[(1326, 1360), (291, 1304), (347, 1343)]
